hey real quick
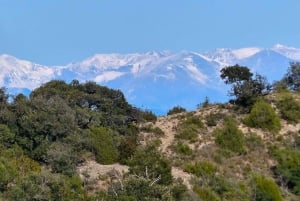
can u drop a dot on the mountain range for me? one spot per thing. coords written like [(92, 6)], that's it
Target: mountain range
[(154, 80)]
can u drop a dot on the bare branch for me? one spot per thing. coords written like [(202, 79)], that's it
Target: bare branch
[(156, 180)]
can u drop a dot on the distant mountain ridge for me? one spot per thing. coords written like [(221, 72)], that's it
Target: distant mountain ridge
[(154, 80)]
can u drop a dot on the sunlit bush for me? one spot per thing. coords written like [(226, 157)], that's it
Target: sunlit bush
[(263, 116)]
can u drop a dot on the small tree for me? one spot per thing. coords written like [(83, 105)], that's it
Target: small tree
[(205, 103), (245, 88), (292, 77)]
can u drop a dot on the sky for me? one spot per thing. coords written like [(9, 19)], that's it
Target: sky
[(58, 32)]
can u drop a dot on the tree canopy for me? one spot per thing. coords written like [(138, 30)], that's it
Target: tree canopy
[(236, 73), (292, 77), (245, 87)]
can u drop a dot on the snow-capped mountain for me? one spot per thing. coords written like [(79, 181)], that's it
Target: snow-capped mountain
[(154, 80), (16, 73)]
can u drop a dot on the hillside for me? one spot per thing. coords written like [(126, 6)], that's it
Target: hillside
[(85, 142), (212, 171)]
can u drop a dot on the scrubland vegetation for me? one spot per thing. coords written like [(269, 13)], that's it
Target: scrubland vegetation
[(247, 149)]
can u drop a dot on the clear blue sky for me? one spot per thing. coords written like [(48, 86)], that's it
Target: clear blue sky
[(57, 32)]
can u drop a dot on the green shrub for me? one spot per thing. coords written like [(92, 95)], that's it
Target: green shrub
[(148, 160), (104, 146), (183, 148), (266, 189), (179, 190), (61, 158), (150, 129), (297, 142), (263, 116), (7, 137), (211, 119), (6, 175), (149, 116), (219, 187), (143, 188), (188, 133), (195, 121), (158, 131), (201, 168), (47, 186), (292, 77), (176, 110), (288, 167), (189, 129), (229, 137), (228, 189), (289, 109), (206, 194)]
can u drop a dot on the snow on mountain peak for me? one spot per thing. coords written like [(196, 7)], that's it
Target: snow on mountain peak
[(243, 53), (159, 79), (196, 74), (223, 56), (279, 46), (16, 73), (105, 61), (290, 52)]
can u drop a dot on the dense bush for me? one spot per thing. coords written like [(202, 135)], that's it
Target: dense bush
[(7, 137), (142, 188), (297, 141), (148, 160), (217, 187), (229, 137), (292, 77), (104, 145), (46, 186), (201, 168), (61, 158), (213, 118), (14, 166), (61, 125), (182, 148), (176, 110), (265, 189), (206, 194), (263, 116), (288, 168), (289, 108)]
